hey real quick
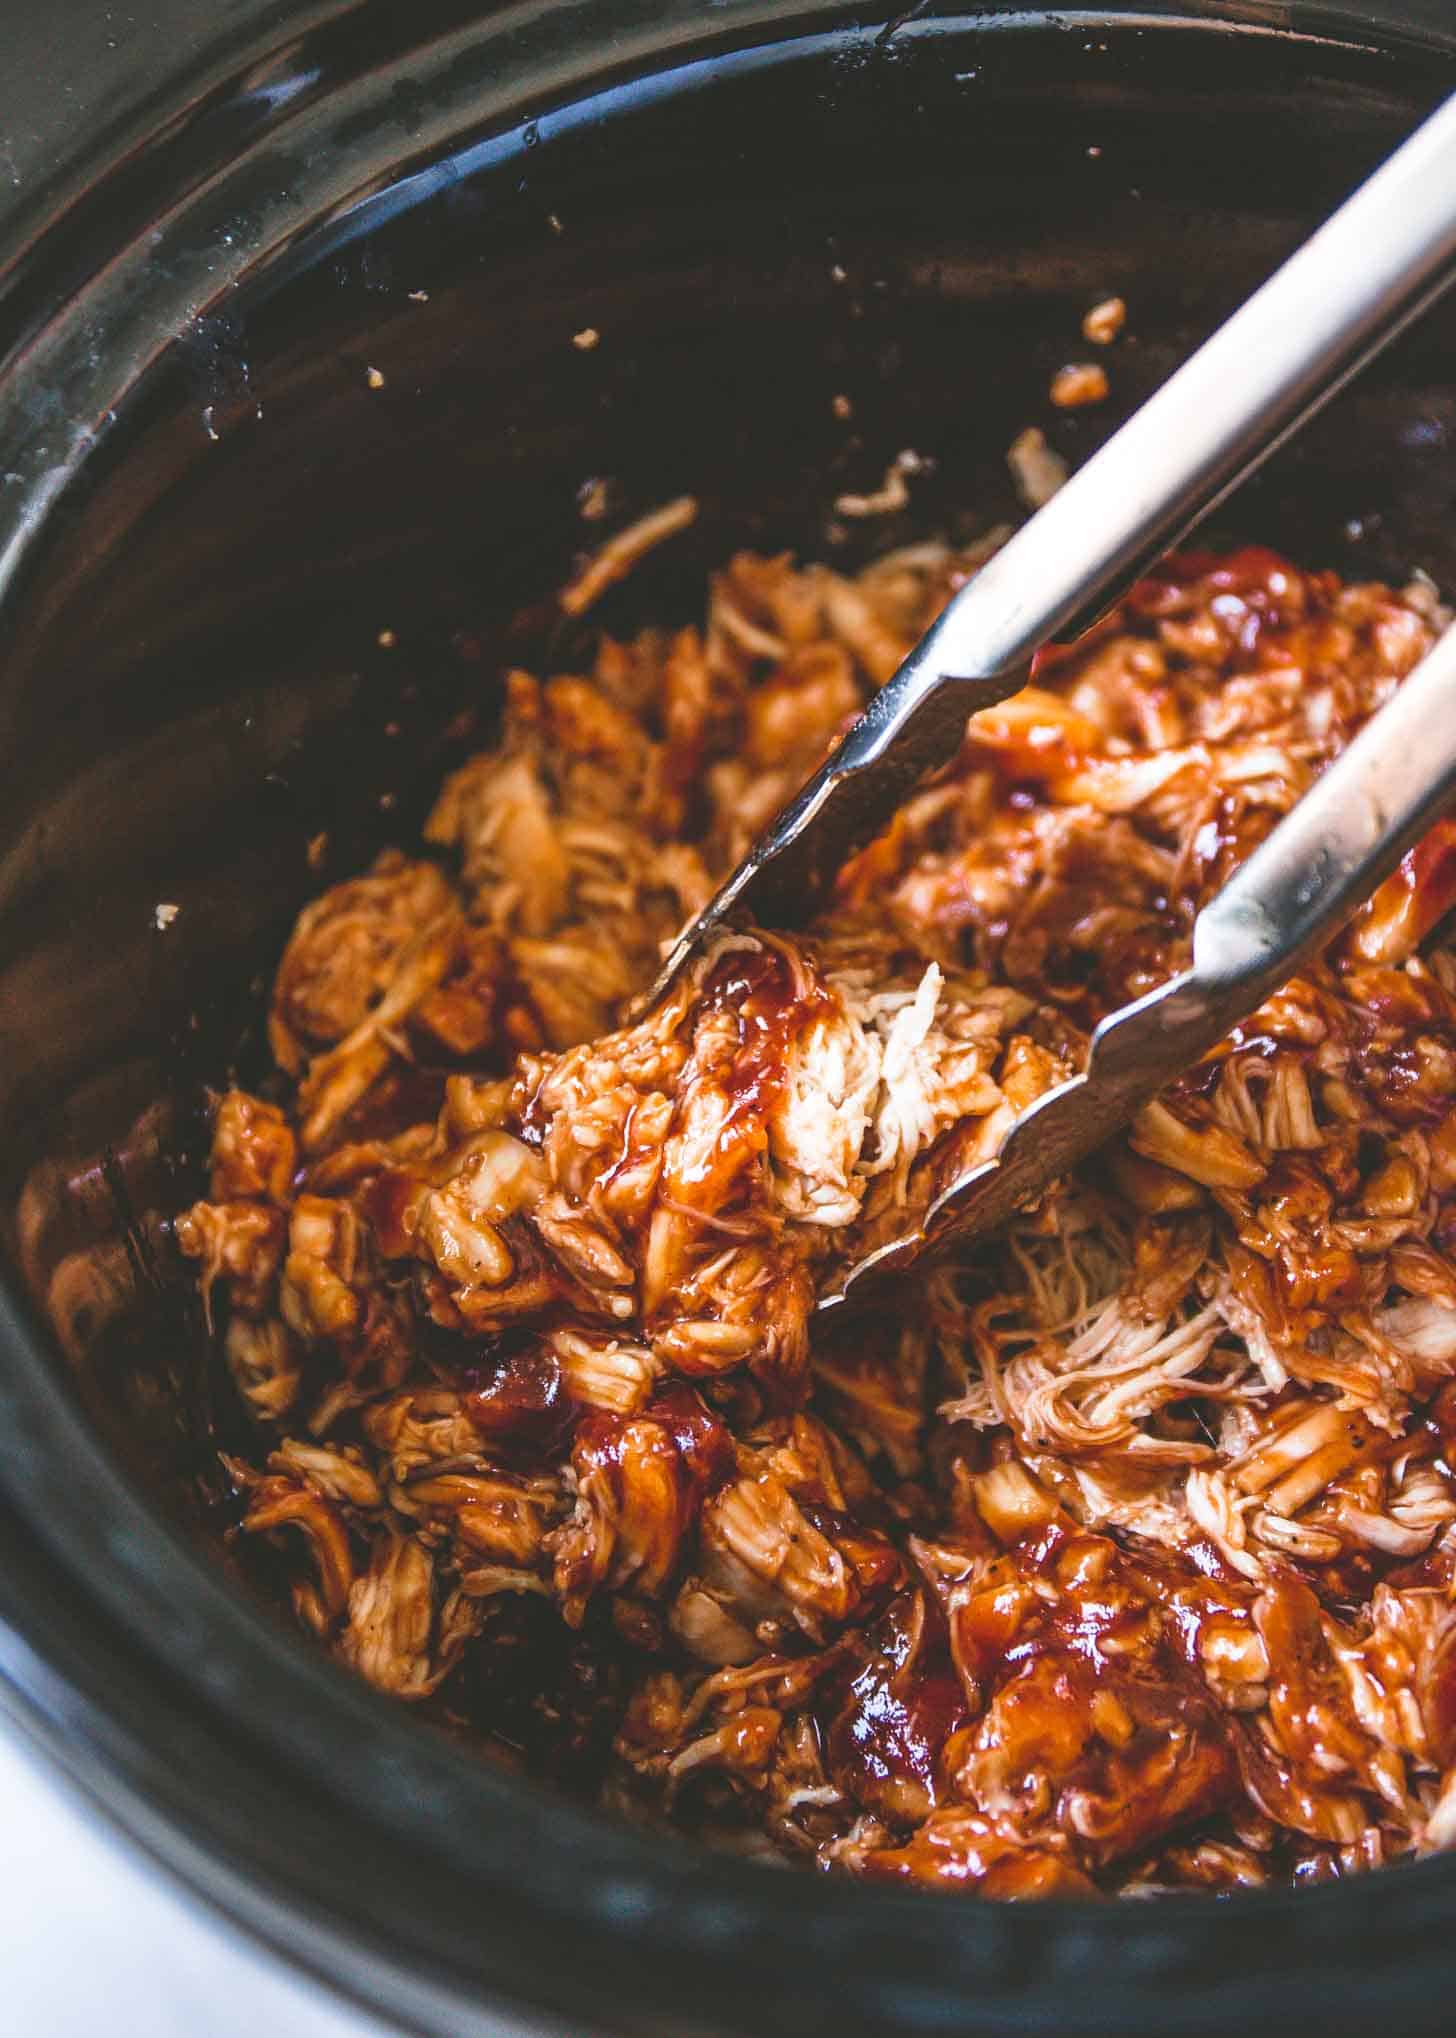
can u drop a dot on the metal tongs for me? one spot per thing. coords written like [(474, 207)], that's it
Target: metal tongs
[(1375, 266)]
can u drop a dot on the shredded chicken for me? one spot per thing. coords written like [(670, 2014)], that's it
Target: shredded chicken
[(1117, 1554)]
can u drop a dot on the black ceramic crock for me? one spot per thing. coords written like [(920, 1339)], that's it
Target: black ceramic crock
[(287, 365)]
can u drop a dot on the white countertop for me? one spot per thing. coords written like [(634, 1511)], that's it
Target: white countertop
[(95, 1938)]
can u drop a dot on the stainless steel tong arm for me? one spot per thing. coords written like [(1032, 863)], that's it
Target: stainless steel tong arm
[(1367, 272)]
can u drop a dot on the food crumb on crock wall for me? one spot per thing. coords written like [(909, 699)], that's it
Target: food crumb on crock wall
[(164, 914), (1078, 385), (1037, 469), (842, 407), (891, 495), (586, 339), (419, 297), (318, 850), (386, 640), (591, 499), (1104, 321), (374, 378)]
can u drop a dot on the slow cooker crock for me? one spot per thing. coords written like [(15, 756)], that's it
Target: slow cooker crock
[(287, 366)]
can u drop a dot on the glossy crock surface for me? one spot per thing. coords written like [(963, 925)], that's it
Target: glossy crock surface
[(211, 509)]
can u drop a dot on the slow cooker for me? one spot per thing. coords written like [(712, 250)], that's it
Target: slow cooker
[(293, 437)]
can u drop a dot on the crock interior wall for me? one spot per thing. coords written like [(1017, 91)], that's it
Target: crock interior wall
[(192, 686)]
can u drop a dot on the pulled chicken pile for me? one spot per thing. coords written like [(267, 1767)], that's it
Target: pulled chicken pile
[(1117, 1554)]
